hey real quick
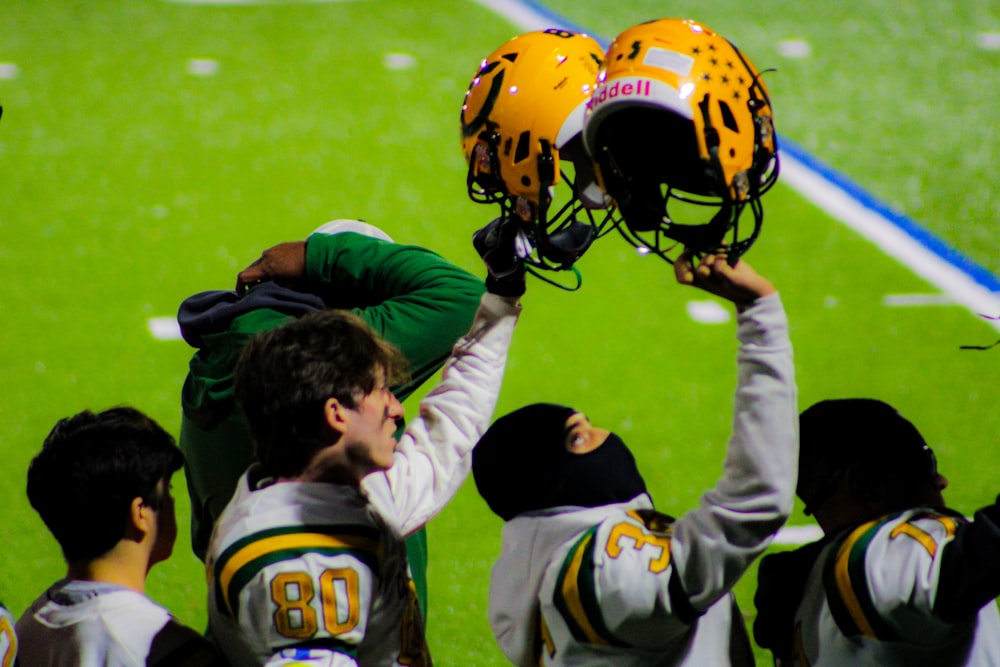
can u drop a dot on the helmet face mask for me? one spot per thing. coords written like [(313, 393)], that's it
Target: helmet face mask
[(522, 121), (681, 129)]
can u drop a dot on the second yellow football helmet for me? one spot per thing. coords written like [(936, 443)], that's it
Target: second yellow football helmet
[(680, 119)]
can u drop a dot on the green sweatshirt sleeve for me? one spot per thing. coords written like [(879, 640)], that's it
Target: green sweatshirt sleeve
[(412, 296)]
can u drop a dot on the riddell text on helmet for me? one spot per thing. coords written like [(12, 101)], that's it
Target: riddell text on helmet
[(638, 88)]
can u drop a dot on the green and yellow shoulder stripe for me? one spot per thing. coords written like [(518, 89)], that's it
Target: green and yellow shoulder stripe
[(245, 558), (851, 600), (576, 598)]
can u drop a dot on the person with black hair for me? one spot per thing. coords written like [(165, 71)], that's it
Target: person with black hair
[(898, 578), (590, 573), (101, 484)]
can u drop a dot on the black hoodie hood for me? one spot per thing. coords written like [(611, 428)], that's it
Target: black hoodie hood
[(213, 311)]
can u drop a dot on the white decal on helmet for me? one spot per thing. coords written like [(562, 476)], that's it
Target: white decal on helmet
[(671, 61)]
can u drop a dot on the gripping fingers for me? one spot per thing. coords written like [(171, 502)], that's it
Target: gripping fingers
[(285, 263), (684, 269), (249, 277)]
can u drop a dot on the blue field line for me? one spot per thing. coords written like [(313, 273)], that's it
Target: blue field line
[(529, 15), (933, 244), (967, 282)]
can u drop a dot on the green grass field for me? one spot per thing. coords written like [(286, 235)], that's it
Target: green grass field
[(127, 183)]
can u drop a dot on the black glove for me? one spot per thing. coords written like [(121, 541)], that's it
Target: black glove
[(495, 243)]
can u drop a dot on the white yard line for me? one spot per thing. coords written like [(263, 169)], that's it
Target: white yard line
[(164, 328), (527, 15), (962, 286), (902, 300)]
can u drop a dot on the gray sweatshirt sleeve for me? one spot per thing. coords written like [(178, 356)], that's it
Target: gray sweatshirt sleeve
[(714, 544)]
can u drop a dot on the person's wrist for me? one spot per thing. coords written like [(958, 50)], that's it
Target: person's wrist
[(513, 284)]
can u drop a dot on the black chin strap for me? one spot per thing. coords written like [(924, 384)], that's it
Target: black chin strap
[(557, 250), (564, 246)]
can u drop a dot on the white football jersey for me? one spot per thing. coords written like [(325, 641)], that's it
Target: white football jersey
[(299, 565), (870, 600), (623, 586), (607, 600), (96, 624)]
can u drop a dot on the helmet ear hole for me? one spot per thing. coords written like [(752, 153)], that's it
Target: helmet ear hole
[(728, 119), (523, 149)]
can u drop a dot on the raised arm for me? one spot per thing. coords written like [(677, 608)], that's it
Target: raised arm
[(434, 455), (714, 544), (414, 298)]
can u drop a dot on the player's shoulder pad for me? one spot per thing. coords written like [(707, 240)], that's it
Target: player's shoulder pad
[(849, 594)]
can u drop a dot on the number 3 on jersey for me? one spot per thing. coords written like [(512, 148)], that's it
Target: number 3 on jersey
[(654, 532), (293, 593)]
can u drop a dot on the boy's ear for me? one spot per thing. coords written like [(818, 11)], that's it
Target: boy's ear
[(335, 415), (140, 517)]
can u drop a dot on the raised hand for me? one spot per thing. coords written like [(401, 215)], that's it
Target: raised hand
[(285, 264), (740, 284), (496, 243)]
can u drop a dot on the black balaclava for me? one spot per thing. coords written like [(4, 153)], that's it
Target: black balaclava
[(521, 464)]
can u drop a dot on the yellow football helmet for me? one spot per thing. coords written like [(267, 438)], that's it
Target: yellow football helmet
[(679, 116), (522, 124)]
